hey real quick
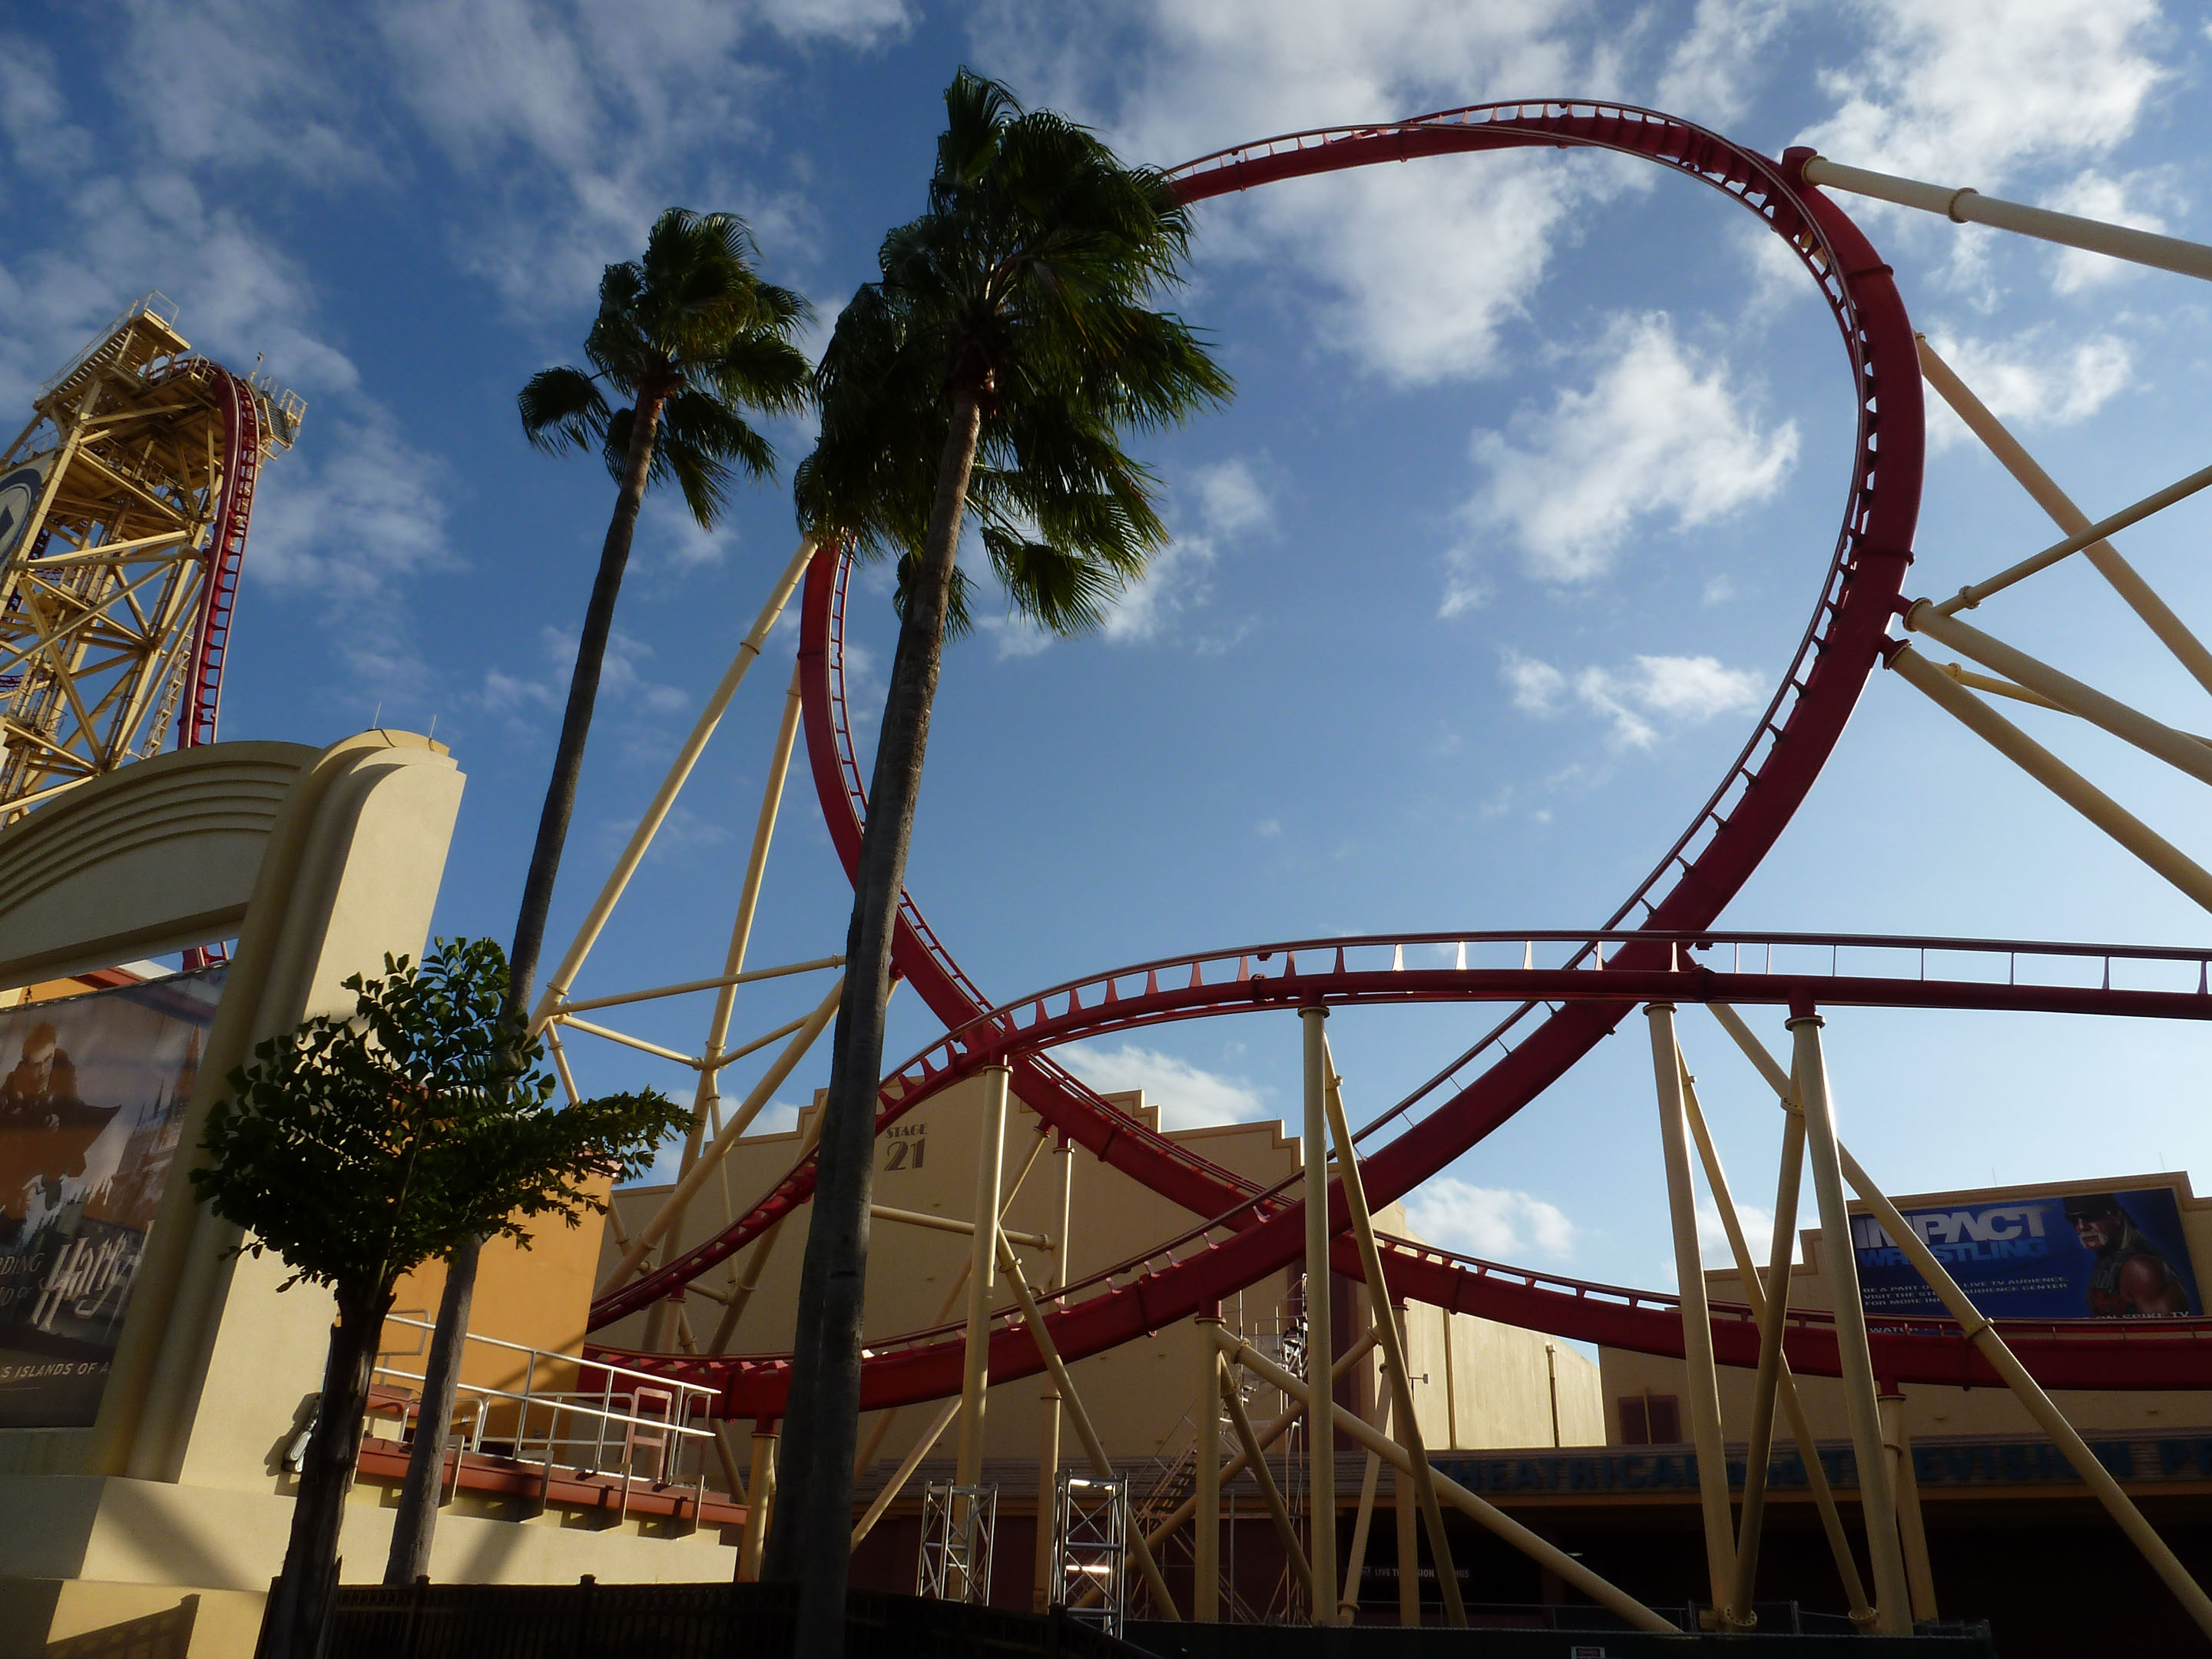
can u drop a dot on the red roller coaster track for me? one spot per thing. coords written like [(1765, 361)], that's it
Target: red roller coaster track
[(1559, 1013)]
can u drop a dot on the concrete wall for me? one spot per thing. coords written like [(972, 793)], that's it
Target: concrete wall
[(1928, 1409)]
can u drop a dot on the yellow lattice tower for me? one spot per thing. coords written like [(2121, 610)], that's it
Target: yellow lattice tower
[(123, 510)]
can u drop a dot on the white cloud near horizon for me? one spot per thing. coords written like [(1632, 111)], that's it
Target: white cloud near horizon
[(1497, 1223), (1660, 433), (1188, 1097), (1643, 701)]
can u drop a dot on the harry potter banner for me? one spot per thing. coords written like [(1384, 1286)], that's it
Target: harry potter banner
[(93, 1095)]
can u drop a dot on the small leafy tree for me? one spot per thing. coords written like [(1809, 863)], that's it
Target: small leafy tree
[(358, 1148)]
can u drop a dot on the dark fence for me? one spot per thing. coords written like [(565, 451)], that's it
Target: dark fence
[(590, 1620), (1391, 1642)]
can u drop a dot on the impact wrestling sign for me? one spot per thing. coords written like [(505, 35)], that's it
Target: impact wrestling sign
[(2092, 1254)]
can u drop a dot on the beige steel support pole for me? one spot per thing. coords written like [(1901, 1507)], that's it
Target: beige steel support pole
[(557, 983), (1485, 1514), (874, 1443), (920, 1449), (1700, 1381), (1255, 1459), (1049, 1396), (1970, 207), (1771, 1309), (2131, 587), (1905, 1481), (2039, 1405), (1392, 1337), (1079, 1419), (982, 1277), (1165, 1529), (1205, 1524), (2177, 749), (1816, 1473), (760, 1495), (1406, 1508), (1355, 1558), (2054, 775), (1320, 1385), (733, 963), (725, 1454), (1893, 1597), (738, 1121)]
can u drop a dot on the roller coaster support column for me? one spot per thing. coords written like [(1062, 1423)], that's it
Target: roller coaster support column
[(1295, 1397), (1256, 1458), (2053, 774), (1319, 1386), (760, 1499), (982, 1277), (558, 982), (1773, 1315), (1079, 1419), (2157, 615), (1897, 1447), (1483, 1512), (1205, 1524), (2002, 1359), (1891, 1596), (733, 963), (1405, 1505), (1406, 1424), (1701, 1380), (1786, 1211), (1049, 1396)]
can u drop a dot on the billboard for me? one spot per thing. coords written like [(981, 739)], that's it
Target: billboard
[(2096, 1253), (93, 1095)]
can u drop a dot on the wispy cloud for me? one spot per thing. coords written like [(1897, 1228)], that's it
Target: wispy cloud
[(2032, 378), (1967, 94), (1188, 1097), (1660, 433), (1499, 1223), (1641, 701)]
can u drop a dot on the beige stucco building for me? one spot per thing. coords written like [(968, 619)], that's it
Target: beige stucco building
[(1476, 1384)]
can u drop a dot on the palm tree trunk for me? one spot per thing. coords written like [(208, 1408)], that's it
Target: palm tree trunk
[(416, 1519), (812, 1536), (303, 1592)]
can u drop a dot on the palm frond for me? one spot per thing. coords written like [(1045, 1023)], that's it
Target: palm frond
[(562, 409)]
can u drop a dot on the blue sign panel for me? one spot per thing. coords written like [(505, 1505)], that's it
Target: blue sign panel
[(2095, 1255)]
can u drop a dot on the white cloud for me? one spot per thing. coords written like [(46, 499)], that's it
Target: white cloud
[(1230, 499), (585, 120), (1658, 432), (1497, 1223), (344, 523), (1643, 701), (1758, 1226), (1188, 1097), (2029, 380), (1708, 74), (1178, 578), (1966, 92), (1419, 266)]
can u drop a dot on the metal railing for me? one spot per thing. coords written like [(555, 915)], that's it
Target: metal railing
[(593, 1432)]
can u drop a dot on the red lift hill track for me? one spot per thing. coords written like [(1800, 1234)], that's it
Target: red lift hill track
[(1660, 944)]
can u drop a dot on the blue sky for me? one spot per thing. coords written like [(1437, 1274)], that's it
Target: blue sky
[(1475, 589)]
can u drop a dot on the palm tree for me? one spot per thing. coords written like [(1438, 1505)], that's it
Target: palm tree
[(691, 336), (996, 366)]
